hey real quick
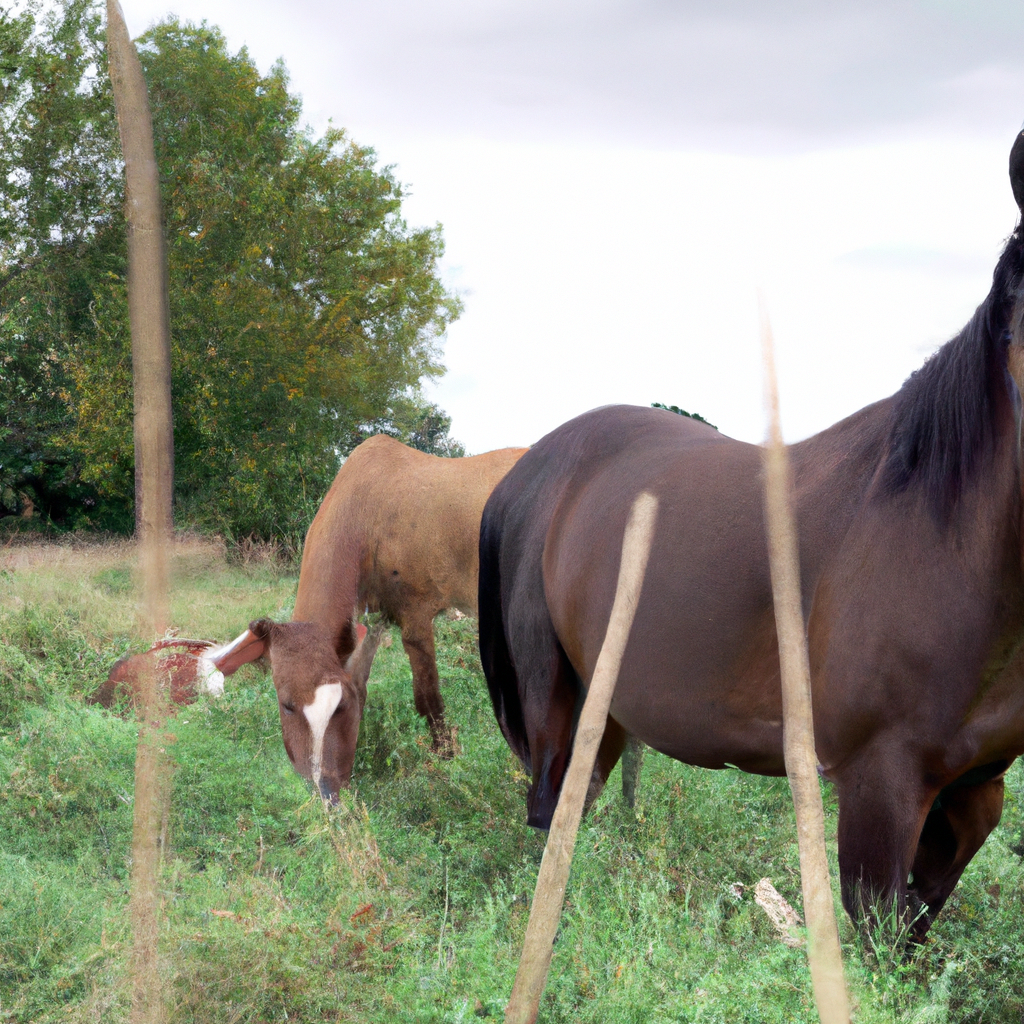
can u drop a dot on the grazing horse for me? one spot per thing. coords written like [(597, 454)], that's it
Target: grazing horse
[(910, 532), (397, 534)]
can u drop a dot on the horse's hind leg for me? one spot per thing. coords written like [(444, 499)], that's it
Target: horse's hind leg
[(418, 641), (550, 713), (957, 825), (550, 693), (613, 743)]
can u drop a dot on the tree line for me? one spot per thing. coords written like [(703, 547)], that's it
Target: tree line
[(305, 312)]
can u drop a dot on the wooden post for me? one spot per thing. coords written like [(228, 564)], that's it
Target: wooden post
[(549, 895), (823, 952), (154, 477)]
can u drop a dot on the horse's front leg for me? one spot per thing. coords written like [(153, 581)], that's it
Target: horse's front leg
[(360, 662), (418, 641), (882, 808), (958, 823)]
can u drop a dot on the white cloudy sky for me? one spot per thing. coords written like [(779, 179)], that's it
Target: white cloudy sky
[(616, 181)]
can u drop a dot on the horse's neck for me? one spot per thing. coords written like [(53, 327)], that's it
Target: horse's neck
[(328, 580), (841, 468)]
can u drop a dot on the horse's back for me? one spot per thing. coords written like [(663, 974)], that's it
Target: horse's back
[(384, 478), (619, 450), (409, 522)]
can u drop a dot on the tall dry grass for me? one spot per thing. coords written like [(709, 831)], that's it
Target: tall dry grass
[(213, 591)]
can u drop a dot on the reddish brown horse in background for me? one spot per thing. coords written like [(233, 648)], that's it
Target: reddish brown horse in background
[(910, 519), (183, 668), (398, 534)]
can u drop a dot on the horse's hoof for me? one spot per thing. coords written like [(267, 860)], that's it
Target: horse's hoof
[(446, 743)]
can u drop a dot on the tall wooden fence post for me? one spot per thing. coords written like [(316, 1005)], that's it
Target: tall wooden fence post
[(823, 951), (549, 894), (154, 477)]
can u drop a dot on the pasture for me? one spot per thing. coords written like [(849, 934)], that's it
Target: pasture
[(409, 901)]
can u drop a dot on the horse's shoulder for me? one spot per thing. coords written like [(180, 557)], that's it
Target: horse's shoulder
[(383, 450)]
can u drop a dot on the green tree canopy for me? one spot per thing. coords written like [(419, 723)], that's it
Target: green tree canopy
[(304, 311), (682, 412), (59, 165)]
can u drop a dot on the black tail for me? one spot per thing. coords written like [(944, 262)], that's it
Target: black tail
[(502, 681)]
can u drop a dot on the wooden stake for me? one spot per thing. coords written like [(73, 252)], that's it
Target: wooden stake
[(823, 951), (154, 477), (549, 895)]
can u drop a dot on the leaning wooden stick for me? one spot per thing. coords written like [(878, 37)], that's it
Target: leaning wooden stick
[(154, 475), (823, 952), (549, 895)]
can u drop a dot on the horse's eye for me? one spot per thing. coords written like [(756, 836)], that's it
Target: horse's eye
[(289, 707)]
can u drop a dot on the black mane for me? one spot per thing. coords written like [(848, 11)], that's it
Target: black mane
[(943, 424)]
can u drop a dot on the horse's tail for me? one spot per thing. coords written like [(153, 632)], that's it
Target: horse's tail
[(499, 670)]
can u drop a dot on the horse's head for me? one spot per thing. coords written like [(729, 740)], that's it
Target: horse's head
[(319, 705)]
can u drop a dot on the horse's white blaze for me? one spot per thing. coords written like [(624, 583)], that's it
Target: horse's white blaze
[(219, 652), (211, 679), (318, 714)]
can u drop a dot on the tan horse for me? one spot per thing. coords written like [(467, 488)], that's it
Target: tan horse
[(398, 534)]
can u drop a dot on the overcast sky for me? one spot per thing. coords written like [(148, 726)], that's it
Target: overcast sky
[(617, 180)]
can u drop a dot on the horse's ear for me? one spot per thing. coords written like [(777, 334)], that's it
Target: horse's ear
[(260, 629), (1017, 170), (251, 645)]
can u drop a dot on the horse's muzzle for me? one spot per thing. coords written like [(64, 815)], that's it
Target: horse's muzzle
[(325, 792)]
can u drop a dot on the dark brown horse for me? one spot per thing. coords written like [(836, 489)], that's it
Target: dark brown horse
[(910, 520)]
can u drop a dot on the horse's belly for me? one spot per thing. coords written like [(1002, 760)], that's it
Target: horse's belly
[(700, 676), (755, 748), (710, 726)]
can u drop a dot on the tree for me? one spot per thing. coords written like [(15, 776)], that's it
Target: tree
[(303, 308), (419, 424), (682, 412), (58, 159)]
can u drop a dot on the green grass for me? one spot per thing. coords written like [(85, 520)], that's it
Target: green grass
[(409, 902)]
